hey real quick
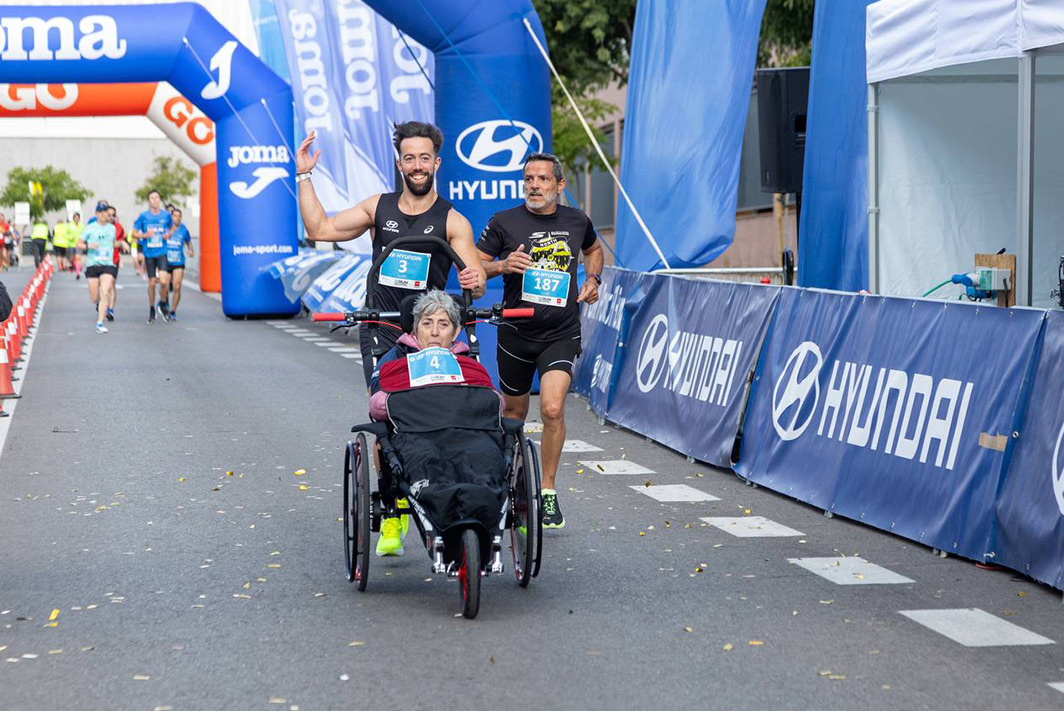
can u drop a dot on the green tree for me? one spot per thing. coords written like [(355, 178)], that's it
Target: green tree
[(786, 34), (171, 178), (57, 186)]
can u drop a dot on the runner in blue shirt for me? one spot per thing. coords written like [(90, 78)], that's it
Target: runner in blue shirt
[(152, 229), (98, 240), (175, 259)]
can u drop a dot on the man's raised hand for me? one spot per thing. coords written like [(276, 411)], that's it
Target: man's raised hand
[(305, 160)]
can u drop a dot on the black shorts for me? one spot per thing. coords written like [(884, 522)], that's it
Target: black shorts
[(153, 264), (519, 359), (95, 271), (386, 337), (60, 251), (173, 267)]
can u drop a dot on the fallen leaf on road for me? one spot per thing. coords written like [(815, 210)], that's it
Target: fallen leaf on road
[(756, 643), (729, 647), (300, 472), (688, 629), (141, 677)]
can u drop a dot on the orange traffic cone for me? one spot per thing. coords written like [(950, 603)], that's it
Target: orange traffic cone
[(6, 390)]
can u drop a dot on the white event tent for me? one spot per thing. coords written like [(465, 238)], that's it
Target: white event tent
[(966, 152)]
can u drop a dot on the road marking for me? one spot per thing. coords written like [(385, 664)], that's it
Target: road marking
[(326, 343), (751, 526), (356, 356), (616, 466), (279, 323), (314, 339), (850, 571), (1058, 685), (344, 349), (576, 445), (668, 493), (975, 628)]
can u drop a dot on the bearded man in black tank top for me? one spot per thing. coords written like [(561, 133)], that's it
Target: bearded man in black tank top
[(415, 210)]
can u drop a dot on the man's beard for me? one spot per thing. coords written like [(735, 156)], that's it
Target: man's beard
[(546, 200), (416, 189)]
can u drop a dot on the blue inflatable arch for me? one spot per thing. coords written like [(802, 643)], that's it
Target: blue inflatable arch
[(250, 105), (492, 95)]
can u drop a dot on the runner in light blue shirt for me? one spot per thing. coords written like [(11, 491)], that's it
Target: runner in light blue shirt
[(152, 229), (175, 259), (98, 240)]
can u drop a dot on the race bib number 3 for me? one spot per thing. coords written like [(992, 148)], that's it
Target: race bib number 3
[(543, 286), (405, 270), (433, 366)]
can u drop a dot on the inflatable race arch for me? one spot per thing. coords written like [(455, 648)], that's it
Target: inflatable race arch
[(249, 104), (185, 125)]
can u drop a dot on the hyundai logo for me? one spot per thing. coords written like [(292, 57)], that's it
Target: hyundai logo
[(391, 224), (796, 384), (498, 146), (1058, 475), (653, 353)]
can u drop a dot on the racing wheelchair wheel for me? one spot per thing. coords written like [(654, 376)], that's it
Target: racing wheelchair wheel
[(536, 488), (524, 512), (469, 573), (357, 511)]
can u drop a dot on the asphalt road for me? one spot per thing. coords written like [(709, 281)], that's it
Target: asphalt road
[(137, 573)]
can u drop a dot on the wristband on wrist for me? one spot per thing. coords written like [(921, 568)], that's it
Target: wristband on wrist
[(596, 277), (300, 177)]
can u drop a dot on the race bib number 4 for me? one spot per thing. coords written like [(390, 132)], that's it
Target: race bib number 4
[(433, 366), (543, 286), (405, 270)]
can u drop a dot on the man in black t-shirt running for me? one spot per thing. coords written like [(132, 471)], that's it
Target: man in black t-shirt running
[(536, 247), (416, 210)]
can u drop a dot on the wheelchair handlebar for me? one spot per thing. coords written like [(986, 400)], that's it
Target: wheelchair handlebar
[(494, 314)]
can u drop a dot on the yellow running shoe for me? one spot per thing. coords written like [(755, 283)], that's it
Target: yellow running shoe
[(389, 542), (404, 519)]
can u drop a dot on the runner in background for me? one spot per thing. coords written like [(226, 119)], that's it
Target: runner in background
[(121, 245), (74, 231), (152, 229), (175, 259), (59, 243), (7, 241), (40, 235), (99, 241)]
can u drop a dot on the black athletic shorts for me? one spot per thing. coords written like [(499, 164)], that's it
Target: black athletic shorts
[(95, 271), (386, 335), (152, 264), (60, 251), (519, 359), (172, 267)]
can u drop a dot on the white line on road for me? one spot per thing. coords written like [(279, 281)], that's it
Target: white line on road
[(356, 356), (616, 466), (850, 570), (1058, 685), (668, 493), (576, 445), (975, 628), (751, 526), (344, 349)]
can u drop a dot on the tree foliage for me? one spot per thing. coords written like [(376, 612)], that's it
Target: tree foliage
[(172, 178), (588, 40), (786, 34), (57, 186)]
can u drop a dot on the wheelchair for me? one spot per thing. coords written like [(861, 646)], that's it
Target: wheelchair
[(470, 546)]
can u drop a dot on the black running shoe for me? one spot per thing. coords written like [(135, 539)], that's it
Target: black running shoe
[(151, 315), (552, 515), (110, 314)]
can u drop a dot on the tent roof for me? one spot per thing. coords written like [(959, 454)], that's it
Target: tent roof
[(904, 37)]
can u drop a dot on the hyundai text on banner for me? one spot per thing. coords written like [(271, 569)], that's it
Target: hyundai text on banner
[(689, 350), (894, 412), (1029, 534)]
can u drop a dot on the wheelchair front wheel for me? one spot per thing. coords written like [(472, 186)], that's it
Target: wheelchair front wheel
[(357, 511), (469, 573), (524, 518)]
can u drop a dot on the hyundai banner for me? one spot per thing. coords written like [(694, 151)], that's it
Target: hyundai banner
[(600, 328), (298, 272), (894, 412), (687, 358), (1029, 535)]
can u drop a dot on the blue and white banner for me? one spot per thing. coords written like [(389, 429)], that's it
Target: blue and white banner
[(601, 325), (341, 288), (894, 412), (688, 354), (1029, 535), (298, 272)]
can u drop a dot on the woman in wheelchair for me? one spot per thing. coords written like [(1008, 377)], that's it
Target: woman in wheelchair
[(449, 439)]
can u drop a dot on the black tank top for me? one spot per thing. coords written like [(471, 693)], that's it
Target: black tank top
[(390, 224)]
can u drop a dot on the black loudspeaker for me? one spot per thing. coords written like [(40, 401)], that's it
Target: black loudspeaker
[(782, 95)]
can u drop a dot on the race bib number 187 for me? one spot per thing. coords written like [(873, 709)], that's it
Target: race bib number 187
[(543, 286), (405, 270), (433, 366)]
